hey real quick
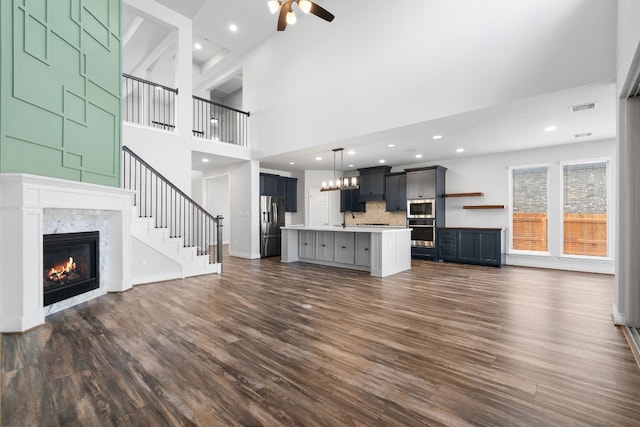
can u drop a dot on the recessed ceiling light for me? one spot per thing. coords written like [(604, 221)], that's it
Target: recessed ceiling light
[(233, 27), (381, 161), (418, 156), (197, 46), (318, 158), (205, 160), (292, 163), (391, 145), (550, 128), (351, 152), (459, 150), (437, 137), (350, 166)]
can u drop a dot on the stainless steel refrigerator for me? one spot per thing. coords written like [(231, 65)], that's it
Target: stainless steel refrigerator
[(271, 219)]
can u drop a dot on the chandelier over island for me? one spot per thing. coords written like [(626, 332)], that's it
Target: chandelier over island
[(339, 182)]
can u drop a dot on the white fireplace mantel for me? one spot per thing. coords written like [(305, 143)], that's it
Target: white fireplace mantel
[(23, 199)]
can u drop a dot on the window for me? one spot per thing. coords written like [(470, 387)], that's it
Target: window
[(585, 207), (529, 209)]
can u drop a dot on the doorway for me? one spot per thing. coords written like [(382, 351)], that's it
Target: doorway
[(318, 209)]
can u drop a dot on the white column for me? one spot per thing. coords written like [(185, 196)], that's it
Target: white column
[(627, 297), (20, 265)]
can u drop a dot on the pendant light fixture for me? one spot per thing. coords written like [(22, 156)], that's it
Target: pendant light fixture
[(339, 181)]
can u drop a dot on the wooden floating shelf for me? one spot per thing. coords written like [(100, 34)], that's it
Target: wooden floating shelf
[(478, 194), (483, 207)]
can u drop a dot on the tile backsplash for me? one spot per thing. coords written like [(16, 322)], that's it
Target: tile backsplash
[(376, 214)]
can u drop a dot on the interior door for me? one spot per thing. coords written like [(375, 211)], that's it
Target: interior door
[(318, 208)]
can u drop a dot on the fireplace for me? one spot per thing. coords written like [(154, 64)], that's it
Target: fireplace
[(70, 265)]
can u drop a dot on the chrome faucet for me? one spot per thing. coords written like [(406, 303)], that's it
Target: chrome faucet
[(344, 218)]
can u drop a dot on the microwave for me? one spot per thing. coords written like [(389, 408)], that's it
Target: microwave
[(421, 208)]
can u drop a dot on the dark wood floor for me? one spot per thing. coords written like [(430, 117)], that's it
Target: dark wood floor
[(442, 344)]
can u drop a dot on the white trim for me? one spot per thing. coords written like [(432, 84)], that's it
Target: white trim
[(607, 160), (510, 169)]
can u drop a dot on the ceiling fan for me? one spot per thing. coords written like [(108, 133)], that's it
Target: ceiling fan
[(286, 11)]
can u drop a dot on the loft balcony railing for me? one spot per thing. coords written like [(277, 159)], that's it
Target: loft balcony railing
[(148, 104), (153, 105), (156, 197), (217, 122)]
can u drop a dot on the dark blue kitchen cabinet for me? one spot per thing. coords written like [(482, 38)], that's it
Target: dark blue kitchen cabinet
[(291, 195), (396, 192), (350, 201), (481, 246), (276, 185), (372, 183)]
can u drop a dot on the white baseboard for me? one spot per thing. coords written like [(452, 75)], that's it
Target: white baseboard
[(618, 318)]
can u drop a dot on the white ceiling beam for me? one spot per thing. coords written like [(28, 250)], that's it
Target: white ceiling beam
[(133, 28), (219, 72), (148, 61)]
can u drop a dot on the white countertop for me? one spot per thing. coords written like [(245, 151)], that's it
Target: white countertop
[(348, 228)]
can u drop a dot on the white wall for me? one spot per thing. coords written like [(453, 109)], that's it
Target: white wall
[(197, 188), (244, 201), (169, 153), (313, 181), (490, 175), (165, 151), (234, 100), (319, 83), (218, 201), (628, 37), (626, 307)]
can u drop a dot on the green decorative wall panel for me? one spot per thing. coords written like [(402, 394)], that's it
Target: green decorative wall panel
[(60, 83)]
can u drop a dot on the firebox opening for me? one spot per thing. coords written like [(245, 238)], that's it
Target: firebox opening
[(70, 265)]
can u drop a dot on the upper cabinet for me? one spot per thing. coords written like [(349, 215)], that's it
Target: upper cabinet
[(396, 192), (372, 183), (425, 183), (276, 185), (291, 195), (349, 201)]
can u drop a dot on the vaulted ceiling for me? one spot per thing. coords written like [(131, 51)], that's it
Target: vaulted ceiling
[(505, 126)]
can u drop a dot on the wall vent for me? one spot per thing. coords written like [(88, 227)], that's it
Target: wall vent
[(582, 135), (582, 107)]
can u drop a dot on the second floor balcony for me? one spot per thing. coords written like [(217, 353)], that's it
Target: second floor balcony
[(149, 104)]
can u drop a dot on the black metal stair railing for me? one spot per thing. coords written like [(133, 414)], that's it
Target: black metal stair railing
[(148, 104), (156, 197), (219, 123)]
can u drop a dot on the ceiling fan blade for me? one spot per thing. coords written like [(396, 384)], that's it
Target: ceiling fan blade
[(321, 12), (282, 18)]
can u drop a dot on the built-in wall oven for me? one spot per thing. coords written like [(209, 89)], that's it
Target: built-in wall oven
[(421, 208), (423, 231)]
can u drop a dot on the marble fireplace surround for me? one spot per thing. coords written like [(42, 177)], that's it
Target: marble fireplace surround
[(27, 203)]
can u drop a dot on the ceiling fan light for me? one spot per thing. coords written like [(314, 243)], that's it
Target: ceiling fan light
[(291, 18), (274, 5), (305, 5)]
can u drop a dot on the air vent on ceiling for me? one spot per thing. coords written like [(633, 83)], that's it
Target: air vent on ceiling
[(582, 135), (582, 107)]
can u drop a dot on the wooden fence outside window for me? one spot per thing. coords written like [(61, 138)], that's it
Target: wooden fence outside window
[(584, 234)]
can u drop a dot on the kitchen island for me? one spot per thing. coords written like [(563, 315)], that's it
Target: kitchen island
[(380, 250)]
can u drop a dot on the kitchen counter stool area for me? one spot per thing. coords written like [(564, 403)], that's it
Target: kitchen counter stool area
[(383, 251)]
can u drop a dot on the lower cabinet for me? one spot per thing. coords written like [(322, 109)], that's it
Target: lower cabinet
[(307, 244), (362, 252), (324, 245), (482, 246), (343, 248), (340, 247)]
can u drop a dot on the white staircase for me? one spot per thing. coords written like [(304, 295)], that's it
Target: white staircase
[(179, 261)]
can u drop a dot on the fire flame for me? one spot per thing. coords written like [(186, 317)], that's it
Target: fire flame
[(61, 270)]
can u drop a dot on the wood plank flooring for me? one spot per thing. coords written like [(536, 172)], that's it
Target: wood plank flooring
[(442, 344)]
